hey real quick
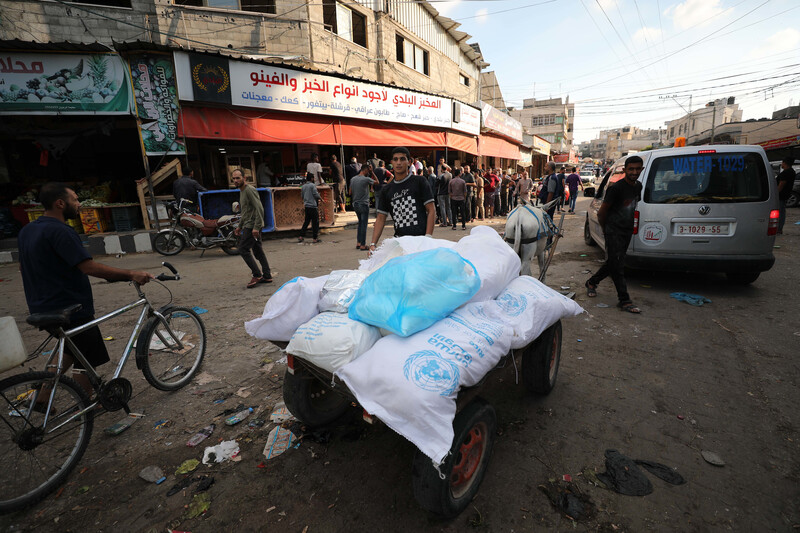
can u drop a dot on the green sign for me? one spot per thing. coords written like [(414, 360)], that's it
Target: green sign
[(153, 78), (64, 83)]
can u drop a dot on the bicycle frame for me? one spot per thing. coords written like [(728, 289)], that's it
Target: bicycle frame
[(65, 339)]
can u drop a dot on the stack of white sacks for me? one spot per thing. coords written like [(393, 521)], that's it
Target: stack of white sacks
[(417, 321)]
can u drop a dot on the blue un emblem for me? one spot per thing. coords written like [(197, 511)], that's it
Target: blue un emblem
[(431, 372)]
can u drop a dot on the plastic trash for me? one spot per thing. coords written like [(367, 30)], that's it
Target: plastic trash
[(189, 465), (691, 299), (412, 292), (153, 474), (224, 451), (201, 503), (238, 417), (280, 413), (712, 458), (278, 441), (120, 426), (201, 435)]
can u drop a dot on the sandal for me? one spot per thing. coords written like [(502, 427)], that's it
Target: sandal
[(629, 307), (591, 289)]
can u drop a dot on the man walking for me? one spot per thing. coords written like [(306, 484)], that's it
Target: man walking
[(359, 192), (524, 187), (469, 203), (443, 192), (311, 199), (315, 168), (457, 191), (551, 186), (186, 187), (249, 230), (573, 181), (337, 174), (785, 184), (616, 218), (55, 270), (408, 199)]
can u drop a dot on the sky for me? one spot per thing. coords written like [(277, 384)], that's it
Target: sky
[(638, 62)]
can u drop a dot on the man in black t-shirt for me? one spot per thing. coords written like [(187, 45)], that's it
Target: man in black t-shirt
[(615, 216), (469, 201), (785, 185), (55, 268), (408, 198)]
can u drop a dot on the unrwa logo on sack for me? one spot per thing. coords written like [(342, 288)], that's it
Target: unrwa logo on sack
[(431, 372), (511, 304)]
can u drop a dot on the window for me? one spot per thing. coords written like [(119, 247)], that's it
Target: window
[(344, 22), (412, 55), (258, 6), (544, 120), (463, 79)]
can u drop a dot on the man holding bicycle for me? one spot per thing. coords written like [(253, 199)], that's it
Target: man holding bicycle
[(55, 271)]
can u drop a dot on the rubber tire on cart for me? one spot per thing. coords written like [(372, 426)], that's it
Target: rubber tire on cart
[(587, 236), (310, 400), (463, 468), (541, 359)]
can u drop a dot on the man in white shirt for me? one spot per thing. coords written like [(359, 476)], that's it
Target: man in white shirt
[(316, 169)]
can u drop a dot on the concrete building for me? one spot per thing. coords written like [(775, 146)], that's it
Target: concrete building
[(407, 44), (550, 119), (707, 118)]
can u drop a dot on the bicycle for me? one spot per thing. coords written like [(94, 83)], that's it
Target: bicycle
[(47, 437)]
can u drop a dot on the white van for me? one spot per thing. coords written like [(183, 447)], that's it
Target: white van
[(703, 208)]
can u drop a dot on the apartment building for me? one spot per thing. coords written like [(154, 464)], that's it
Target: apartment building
[(550, 119), (707, 118)]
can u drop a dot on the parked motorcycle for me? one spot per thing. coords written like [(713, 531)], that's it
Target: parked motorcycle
[(188, 228)]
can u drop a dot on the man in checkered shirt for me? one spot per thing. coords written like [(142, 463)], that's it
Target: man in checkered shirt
[(408, 198)]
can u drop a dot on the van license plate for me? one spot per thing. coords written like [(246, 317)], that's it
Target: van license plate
[(701, 229)]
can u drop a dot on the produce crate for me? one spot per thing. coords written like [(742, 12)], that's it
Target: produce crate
[(290, 213), (214, 204), (126, 218), (93, 220), (36, 212)]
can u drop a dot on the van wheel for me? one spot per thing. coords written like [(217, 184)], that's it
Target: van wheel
[(742, 278), (587, 236)]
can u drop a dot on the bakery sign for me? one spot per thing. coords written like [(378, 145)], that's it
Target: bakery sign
[(262, 86), (498, 122)]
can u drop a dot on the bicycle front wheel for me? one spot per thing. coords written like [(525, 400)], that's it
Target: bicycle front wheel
[(37, 459), (170, 351)]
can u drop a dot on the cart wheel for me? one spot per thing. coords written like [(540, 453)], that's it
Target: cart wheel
[(540, 361), (464, 466), (310, 400)]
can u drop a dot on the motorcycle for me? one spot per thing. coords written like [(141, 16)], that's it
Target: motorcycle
[(188, 228)]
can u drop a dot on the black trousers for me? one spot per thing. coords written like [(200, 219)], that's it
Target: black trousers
[(250, 246), (312, 215), (458, 208), (616, 249)]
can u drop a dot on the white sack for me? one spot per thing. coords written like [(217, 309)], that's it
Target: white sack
[(397, 246), (330, 340), (339, 289), (529, 307), (411, 383), (492, 257), (293, 304)]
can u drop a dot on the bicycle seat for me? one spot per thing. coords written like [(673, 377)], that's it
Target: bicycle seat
[(53, 320)]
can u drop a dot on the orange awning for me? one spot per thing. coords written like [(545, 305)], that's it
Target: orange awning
[(465, 143), (259, 126), (497, 147)]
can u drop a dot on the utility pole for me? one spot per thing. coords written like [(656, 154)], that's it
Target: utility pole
[(713, 120)]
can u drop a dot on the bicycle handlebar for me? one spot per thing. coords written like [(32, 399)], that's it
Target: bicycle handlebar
[(166, 277)]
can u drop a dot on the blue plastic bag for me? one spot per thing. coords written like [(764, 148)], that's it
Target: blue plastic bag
[(412, 292), (691, 299)]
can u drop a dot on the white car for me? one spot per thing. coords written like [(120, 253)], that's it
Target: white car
[(587, 178)]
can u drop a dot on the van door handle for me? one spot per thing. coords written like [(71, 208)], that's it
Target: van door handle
[(698, 241)]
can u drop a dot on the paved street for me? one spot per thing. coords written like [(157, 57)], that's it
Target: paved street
[(662, 386)]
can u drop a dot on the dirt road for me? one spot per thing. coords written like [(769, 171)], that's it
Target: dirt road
[(662, 386)]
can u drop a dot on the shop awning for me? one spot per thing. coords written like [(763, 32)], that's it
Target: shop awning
[(497, 147), (258, 126), (465, 143)]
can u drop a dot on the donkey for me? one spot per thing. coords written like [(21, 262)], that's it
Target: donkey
[(528, 229)]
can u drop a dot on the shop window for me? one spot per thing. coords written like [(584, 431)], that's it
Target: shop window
[(345, 22), (412, 55), (463, 79), (258, 6), (112, 3)]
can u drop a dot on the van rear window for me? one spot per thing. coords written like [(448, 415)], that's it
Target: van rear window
[(707, 178)]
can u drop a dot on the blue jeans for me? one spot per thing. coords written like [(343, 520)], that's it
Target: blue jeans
[(362, 212), (445, 213), (572, 197)]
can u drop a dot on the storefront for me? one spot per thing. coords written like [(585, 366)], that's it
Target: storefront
[(540, 154), (500, 140), (67, 115)]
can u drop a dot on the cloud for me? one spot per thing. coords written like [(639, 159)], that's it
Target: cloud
[(691, 12), (646, 35), (445, 8), (781, 41), (481, 15)]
